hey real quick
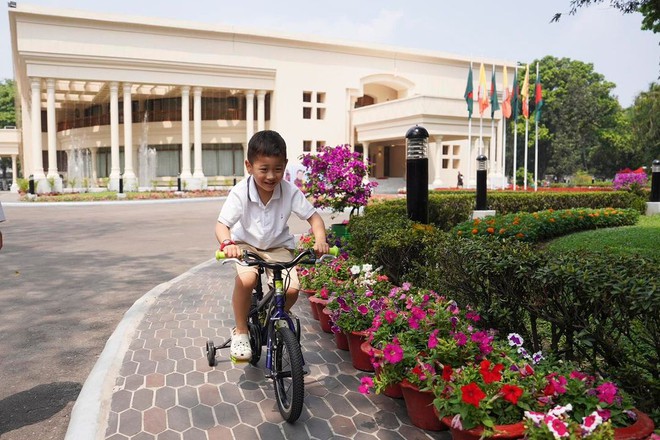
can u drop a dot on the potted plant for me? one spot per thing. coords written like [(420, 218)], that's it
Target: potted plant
[(337, 179)]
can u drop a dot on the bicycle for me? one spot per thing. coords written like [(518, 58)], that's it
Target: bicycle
[(270, 325)]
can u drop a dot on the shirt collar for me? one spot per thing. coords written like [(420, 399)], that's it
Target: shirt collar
[(253, 192)]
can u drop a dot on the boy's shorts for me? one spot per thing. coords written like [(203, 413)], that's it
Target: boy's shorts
[(273, 254)]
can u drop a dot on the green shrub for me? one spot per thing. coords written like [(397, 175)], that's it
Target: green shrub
[(543, 225)]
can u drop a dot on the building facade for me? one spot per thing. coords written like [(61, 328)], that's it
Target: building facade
[(106, 97)]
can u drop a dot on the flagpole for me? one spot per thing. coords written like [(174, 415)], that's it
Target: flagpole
[(469, 173), (536, 140), (526, 155), (515, 127)]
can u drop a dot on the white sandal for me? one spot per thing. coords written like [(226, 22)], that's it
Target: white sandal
[(240, 350)]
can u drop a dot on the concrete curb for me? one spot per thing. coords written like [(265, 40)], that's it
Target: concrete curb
[(89, 417), (112, 202)]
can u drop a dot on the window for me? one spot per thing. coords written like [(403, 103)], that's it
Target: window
[(222, 159), (451, 156), (307, 146), (319, 145), (313, 105)]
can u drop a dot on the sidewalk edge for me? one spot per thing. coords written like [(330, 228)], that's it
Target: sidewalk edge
[(89, 417)]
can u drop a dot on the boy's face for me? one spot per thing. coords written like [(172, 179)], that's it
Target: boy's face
[(267, 171)]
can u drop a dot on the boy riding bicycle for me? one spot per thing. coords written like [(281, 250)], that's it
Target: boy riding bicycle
[(254, 217)]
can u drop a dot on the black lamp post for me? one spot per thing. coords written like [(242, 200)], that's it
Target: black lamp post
[(655, 181), (417, 174), (481, 182)]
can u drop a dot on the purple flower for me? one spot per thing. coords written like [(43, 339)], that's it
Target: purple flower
[(515, 340), (363, 309)]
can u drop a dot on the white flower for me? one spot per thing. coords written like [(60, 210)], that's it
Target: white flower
[(559, 410), (367, 267), (591, 422), (355, 270), (535, 417)]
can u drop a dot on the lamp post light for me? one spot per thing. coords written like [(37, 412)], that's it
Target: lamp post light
[(482, 164), (655, 181), (417, 174)]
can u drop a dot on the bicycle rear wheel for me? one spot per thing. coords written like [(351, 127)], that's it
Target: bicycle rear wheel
[(288, 375)]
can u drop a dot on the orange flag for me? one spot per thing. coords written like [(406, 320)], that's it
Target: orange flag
[(525, 94), (506, 102), (482, 93)]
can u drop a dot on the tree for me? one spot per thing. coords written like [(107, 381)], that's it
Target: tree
[(644, 117), (582, 122), (7, 103), (650, 10)]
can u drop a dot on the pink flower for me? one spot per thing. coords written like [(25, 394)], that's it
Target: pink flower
[(363, 309), (390, 316), (433, 340), (461, 338), (393, 353), (607, 392), (557, 427), (591, 422), (366, 383), (456, 422)]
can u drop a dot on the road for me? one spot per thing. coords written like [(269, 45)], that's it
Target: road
[(67, 276)]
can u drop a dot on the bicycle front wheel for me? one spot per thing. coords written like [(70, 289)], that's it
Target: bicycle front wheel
[(288, 374)]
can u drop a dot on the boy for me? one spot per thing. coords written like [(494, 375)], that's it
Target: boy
[(254, 217)]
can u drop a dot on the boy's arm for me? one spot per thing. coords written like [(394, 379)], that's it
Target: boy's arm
[(318, 229), (221, 234)]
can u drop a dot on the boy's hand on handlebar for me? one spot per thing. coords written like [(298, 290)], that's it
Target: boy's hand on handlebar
[(321, 248), (232, 251)]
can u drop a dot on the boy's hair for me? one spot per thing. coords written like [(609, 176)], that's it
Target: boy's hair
[(266, 143)]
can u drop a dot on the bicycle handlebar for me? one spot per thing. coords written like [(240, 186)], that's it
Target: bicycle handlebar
[(251, 259)]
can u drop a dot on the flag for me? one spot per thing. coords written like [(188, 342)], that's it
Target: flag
[(506, 102), (482, 95), (494, 105), (515, 95), (538, 97), (524, 94), (469, 95)]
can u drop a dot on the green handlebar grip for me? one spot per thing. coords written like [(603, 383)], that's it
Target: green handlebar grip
[(219, 255), (334, 250)]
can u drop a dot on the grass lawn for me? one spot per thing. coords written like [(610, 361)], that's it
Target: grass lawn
[(642, 239)]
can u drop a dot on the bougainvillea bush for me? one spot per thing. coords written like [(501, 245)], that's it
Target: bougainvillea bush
[(337, 178)]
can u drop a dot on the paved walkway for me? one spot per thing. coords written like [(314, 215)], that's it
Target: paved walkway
[(152, 380)]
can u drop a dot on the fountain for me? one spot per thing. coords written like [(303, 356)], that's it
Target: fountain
[(148, 158), (79, 167)]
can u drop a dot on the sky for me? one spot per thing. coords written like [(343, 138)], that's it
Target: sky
[(511, 30)]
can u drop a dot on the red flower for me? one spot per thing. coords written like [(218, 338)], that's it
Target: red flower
[(472, 394), (446, 373), (511, 393), (491, 375)]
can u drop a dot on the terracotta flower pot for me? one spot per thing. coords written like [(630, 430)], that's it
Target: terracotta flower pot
[(641, 429), (317, 305), (341, 341), (420, 408), (325, 321), (502, 432), (392, 390), (361, 361)]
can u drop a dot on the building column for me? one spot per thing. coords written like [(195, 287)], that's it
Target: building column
[(41, 184), (115, 170), (185, 134), (261, 110), (249, 117), (365, 158), (130, 181), (93, 151), (435, 148), (198, 181), (53, 175), (14, 177)]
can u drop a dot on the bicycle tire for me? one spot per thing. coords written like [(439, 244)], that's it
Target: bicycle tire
[(288, 375), (255, 342)]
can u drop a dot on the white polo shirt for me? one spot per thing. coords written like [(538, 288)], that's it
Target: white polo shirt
[(264, 226)]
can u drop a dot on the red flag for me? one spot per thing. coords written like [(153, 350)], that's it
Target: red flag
[(506, 102)]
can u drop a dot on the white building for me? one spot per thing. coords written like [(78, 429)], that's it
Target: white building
[(196, 93)]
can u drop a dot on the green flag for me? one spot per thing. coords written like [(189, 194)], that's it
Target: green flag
[(515, 97), (494, 105), (469, 95), (538, 97)]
